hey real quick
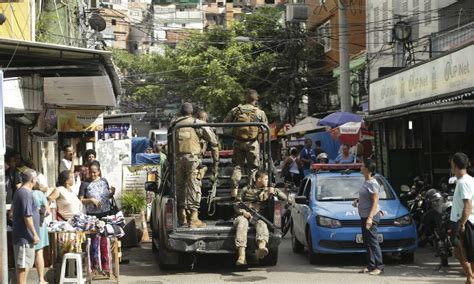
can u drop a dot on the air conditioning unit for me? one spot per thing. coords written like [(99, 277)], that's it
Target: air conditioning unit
[(296, 12)]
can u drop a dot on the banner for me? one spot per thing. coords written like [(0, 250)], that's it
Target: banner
[(80, 120)]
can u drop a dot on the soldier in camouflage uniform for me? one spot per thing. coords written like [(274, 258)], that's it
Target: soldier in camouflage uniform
[(254, 197), (246, 144), (188, 158)]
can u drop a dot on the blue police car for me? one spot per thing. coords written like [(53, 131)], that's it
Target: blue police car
[(325, 222)]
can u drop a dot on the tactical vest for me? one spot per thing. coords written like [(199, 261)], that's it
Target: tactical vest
[(246, 113), (187, 140)]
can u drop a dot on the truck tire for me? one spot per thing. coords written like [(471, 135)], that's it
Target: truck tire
[(162, 256), (295, 244), (312, 256), (271, 259)]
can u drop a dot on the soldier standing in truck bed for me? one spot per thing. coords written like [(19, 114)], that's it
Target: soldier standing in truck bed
[(246, 144), (255, 197), (188, 158)]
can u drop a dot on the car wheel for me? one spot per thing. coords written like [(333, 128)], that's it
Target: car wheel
[(312, 256), (271, 259), (295, 244), (408, 257), (154, 248)]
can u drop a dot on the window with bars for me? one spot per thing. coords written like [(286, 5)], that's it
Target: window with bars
[(427, 12), (324, 34)]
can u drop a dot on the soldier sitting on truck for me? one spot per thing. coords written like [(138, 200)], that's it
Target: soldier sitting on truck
[(255, 197), (188, 158)]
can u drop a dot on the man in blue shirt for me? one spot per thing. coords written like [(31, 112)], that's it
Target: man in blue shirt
[(307, 156), (26, 221)]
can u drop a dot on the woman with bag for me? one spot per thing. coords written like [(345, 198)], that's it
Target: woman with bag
[(291, 168), (96, 194)]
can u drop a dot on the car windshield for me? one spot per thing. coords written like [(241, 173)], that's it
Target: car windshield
[(161, 137), (347, 188)]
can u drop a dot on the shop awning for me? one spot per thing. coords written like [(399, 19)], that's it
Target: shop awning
[(457, 101), (22, 58)]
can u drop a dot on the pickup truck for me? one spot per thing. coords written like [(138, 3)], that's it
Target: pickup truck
[(176, 244)]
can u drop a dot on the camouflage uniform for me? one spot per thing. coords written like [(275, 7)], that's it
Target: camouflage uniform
[(255, 198), (246, 153), (188, 180)]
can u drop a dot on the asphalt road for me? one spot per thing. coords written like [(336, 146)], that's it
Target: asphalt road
[(291, 268)]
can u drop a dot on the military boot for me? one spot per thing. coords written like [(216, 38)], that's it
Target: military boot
[(182, 220), (241, 256), (262, 250), (194, 222)]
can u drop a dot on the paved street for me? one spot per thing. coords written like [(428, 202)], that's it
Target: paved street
[(291, 268)]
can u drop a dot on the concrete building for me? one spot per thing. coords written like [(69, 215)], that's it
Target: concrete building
[(323, 21)]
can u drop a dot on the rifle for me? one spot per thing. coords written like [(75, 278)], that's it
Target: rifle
[(211, 200), (257, 216)]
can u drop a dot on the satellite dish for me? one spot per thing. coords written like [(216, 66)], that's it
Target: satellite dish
[(97, 23)]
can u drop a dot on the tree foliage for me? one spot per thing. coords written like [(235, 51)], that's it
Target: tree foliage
[(214, 67)]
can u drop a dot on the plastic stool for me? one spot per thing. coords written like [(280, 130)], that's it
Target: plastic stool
[(69, 258)]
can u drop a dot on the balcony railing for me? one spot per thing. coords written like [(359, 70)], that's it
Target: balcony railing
[(452, 38)]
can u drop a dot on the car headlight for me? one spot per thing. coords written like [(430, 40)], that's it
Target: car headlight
[(328, 222), (403, 221)]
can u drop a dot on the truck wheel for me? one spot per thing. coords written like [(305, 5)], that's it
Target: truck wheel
[(295, 244), (312, 256), (162, 256), (271, 259), (408, 257)]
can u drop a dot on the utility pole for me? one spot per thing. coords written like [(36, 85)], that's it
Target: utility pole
[(344, 80)]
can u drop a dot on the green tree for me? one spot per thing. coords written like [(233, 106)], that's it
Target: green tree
[(215, 67)]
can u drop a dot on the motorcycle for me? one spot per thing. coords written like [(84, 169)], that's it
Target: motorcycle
[(437, 223)]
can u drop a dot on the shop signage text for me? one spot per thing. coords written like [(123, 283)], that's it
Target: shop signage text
[(447, 74), (80, 120)]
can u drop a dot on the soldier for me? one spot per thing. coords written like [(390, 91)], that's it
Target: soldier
[(254, 197), (246, 144), (188, 153)]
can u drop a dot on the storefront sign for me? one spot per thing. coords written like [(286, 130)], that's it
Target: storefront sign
[(450, 73), (79, 120)]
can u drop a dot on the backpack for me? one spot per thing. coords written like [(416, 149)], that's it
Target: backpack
[(246, 114)]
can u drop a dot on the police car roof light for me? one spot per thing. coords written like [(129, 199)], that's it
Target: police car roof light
[(336, 167)]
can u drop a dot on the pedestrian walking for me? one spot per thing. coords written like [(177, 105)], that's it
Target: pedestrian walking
[(26, 223), (291, 168), (42, 203), (188, 158), (369, 212), (462, 215), (246, 145)]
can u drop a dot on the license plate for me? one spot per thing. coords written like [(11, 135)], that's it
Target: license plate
[(360, 240)]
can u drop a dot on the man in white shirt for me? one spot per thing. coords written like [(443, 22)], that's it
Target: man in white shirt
[(462, 210), (67, 163)]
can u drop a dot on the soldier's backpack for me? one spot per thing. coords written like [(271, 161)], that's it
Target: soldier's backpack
[(246, 113)]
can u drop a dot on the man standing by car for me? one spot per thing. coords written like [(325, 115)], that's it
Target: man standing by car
[(307, 156), (26, 221), (188, 152), (255, 197), (462, 215), (246, 144)]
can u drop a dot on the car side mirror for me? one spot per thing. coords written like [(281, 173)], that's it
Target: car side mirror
[(405, 188), (301, 200)]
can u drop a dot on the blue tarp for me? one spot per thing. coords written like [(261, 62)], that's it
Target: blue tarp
[(139, 145), (147, 159), (329, 145)]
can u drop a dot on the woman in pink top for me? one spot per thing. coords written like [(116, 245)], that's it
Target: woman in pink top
[(67, 202)]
